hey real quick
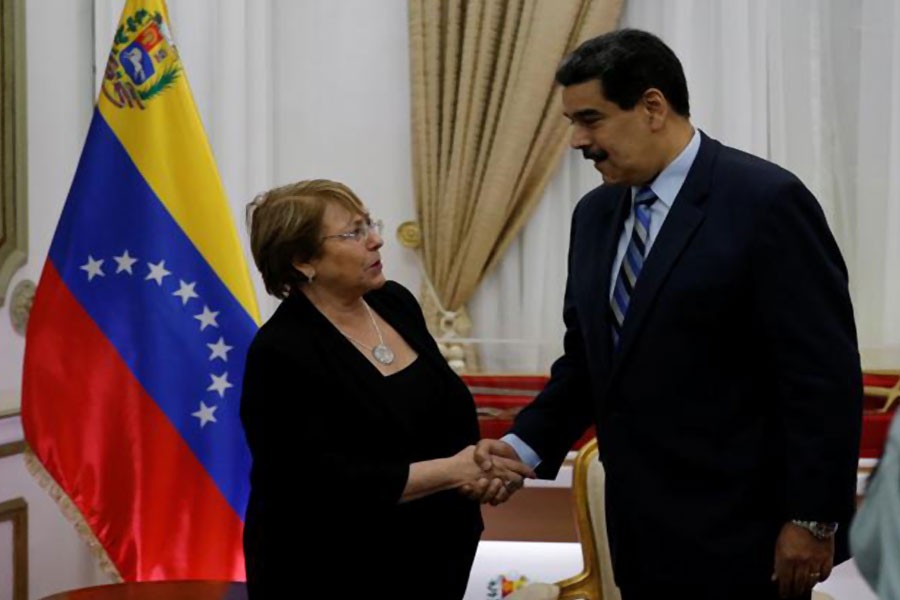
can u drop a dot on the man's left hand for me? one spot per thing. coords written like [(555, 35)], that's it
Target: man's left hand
[(801, 560)]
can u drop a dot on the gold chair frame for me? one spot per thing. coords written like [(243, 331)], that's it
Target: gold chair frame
[(890, 394), (587, 585)]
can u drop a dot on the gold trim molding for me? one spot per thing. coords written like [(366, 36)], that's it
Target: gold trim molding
[(409, 234), (20, 305), (12, 449), (13, 199)]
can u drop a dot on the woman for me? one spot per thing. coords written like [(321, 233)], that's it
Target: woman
[(347, 398)]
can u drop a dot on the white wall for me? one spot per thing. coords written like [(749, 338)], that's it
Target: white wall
[(342, 106)]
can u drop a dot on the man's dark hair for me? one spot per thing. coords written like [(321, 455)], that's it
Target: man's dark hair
[(627, 63)]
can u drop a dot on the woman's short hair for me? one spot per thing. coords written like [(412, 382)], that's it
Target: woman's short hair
[(285, 226)]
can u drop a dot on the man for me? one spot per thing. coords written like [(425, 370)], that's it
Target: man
[(710, 339)]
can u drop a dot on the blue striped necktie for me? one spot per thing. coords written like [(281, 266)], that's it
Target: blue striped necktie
[(632, 262)]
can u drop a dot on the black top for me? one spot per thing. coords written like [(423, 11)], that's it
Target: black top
[(332, 440)]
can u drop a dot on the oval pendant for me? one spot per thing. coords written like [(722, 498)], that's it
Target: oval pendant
[(383, 354)]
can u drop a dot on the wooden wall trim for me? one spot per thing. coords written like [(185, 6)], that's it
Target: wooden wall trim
[(12, 448), (16, 511)]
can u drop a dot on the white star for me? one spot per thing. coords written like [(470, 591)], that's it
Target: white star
[(219, 384), (92, 268), (219, 350), (207, 318), (186, 291), (125, 261), (157, 272), (205, 414)]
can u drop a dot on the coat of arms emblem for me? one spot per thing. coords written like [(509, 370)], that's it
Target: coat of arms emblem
[(143, 61)]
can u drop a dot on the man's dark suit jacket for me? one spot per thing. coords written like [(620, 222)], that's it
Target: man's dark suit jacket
[(332, 445), (733, 403)]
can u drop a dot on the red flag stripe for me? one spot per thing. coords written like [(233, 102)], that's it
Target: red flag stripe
[(110, 447)]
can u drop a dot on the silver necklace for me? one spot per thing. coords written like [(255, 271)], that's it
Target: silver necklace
[(381, 352)]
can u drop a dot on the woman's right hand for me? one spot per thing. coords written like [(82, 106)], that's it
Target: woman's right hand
[(463, 466)]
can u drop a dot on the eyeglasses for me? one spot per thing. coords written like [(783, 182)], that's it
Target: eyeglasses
[(360, 233)]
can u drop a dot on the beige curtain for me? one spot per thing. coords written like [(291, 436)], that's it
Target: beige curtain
[(487, 125)]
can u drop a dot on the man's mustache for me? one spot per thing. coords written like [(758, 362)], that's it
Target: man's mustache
[(598, 155)]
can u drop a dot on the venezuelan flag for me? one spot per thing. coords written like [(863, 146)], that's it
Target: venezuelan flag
[(136, 342)]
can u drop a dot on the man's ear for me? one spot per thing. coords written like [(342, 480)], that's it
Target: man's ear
[(656, 108)]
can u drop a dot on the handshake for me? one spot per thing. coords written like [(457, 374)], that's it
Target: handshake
[(490, 472)]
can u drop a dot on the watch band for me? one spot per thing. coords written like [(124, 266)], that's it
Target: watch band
[(819, 529)]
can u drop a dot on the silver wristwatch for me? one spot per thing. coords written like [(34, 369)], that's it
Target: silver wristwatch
[(820, 530)]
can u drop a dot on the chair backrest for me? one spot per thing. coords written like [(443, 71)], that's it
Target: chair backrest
[(596, 581), (881, 390)]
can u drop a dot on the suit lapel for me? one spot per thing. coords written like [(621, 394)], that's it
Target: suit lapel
[(685, 216)]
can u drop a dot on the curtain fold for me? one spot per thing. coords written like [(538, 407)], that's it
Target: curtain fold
[(486, 124)]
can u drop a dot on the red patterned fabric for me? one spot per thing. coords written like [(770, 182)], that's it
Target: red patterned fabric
[(498, 398), (885, 380), (514, 382), (876, 421), (874, 434)]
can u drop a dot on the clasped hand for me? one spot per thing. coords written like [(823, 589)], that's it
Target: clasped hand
[(493, 473)]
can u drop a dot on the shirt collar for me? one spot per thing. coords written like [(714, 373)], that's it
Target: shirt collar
[(668, 183)]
